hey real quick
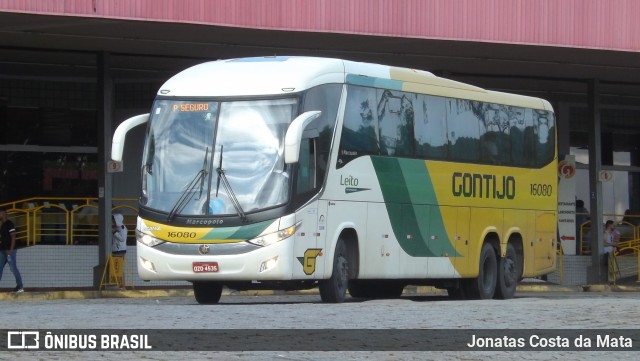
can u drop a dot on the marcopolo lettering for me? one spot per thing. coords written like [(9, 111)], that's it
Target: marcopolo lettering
[(475, 185)]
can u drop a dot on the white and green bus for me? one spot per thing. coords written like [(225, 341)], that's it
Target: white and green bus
[(300, 172)]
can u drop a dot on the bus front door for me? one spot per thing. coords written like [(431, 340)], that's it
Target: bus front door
[(307, 248)]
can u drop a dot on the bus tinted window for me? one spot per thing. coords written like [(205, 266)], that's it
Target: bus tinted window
[(494, 134), (325, 98), (360, 130), (315, 146), (464, 118), (529, 138), (516, 136), (430, 122), (306, 177), (545, 137), (395, 119), (411, 125)]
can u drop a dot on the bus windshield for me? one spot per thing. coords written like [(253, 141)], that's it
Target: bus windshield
[(192, 147)]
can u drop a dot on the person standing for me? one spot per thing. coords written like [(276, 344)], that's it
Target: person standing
[(611, 237), (119, 239), (611, 240), (118, 246), (8, 252)]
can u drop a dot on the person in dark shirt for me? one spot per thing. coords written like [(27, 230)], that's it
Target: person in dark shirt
[(8, 251)]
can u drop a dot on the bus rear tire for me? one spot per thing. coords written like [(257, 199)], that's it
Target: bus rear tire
[(334, 289), (207, 293), (507, 274), (484, 286)]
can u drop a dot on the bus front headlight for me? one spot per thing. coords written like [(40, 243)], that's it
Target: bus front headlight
[(271, 238), (147, 239)]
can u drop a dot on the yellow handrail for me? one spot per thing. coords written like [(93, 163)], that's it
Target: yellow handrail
[(67, 218), (626, 221), (623, 250)]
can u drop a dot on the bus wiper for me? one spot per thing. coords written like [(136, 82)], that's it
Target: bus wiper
[(206, 205), (186, 195), (204, 170), (227, 187)]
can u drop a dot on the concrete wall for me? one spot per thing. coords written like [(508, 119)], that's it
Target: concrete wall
[(574, 271), (54, 266)]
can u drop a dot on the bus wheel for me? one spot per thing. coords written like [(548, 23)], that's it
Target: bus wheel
[(484, 286), (507, 274), (207, 293), (334, 289)]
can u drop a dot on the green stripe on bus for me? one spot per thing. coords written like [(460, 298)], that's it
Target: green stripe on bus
[(243, 232), (413, 210), (374, 82)]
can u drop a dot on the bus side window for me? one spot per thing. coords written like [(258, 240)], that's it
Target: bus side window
[(395, 122), (529, 139), (517, 136), (360, 126), (545, 140), (463, 130), (430, 127), (306, 178)]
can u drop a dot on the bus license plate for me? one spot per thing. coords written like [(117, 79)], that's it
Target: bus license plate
[(200, 267)]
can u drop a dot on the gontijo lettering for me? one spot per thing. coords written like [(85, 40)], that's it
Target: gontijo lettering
[(191, 107), (475, 185)]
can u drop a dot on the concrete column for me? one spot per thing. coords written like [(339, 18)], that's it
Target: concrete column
[(596, 273), (104, 105)]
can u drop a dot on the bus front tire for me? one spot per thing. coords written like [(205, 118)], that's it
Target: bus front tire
[(484, 286), (507, 274), (334, 289), (207, 293)]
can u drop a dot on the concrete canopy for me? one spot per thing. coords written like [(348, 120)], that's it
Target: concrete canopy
[(41, 45)]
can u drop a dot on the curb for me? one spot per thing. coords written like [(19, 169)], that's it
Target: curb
[(160, 293), (535, 287)]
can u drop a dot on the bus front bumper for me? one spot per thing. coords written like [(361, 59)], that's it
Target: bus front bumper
[(260, 264)]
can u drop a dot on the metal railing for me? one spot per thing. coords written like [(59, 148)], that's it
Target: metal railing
[(64, 221), (629, 228), (626, 261)]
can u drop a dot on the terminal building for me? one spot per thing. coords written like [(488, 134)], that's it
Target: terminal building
[(72, 70)]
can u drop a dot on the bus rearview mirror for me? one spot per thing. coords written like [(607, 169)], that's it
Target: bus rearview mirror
[(117, 144), (294, 135)]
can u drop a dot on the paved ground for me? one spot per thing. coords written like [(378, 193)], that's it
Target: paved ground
[(535, 307)]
